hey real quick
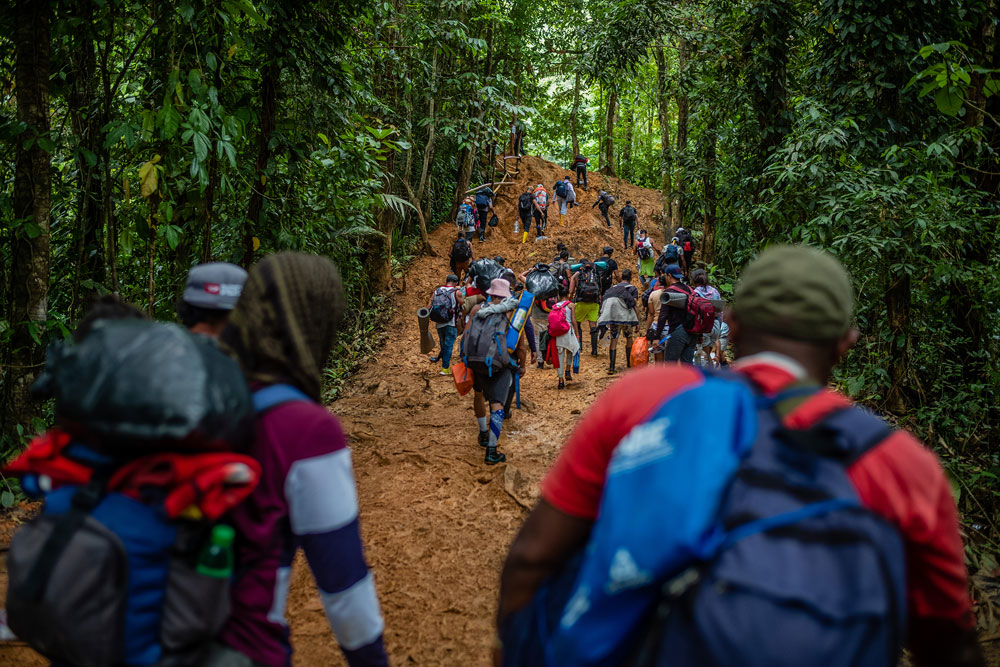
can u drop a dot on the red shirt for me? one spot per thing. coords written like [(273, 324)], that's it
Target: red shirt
[(899, 479)]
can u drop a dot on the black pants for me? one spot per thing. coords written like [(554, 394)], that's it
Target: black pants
[(680, 346), (482, 220), (581, 171), (539, 222), (604, 212)]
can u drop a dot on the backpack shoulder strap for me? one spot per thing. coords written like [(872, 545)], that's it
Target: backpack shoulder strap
[(277, 394)]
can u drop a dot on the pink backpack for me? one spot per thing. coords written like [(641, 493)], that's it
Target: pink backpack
[(558, 324)]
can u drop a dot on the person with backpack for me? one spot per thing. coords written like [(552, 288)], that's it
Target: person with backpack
[(585, 290), (565, 196), (466, 219), (687, 247), (281, 332), (620, 315), (484, 206), (460, 257), (485, 350), (628, 218), (109, 573), (609, 274), (445, 304), (210, 294), (540, 210), (603, 203), (525, 205), (580, 167), (674, 323), (754, 517), (644, 251), (563, 343)]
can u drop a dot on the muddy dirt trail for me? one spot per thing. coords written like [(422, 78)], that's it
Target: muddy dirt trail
[(436, 520)]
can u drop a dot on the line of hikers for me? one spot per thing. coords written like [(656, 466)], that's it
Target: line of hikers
[(693, 517)]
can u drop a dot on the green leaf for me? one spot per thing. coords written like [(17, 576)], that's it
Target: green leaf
[(211, 61), (170, 120), (6, 499), (948, 101), (201, 146)]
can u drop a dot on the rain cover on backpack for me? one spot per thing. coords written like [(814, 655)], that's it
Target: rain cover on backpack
[(139, 385)]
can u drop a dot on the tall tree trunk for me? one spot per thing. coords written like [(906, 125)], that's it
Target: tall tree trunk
[(625, 168), (683, 109), (32, 202), (663, 113), (86, 122), (609, 133), (573, 129), (255, 210), (708, 229)]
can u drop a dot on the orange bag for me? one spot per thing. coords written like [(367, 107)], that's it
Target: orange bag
[(640, 352), (462, 376)]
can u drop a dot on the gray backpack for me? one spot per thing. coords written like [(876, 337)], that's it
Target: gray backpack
[(486, 341)]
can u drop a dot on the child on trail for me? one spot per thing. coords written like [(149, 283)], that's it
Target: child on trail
[(445, 306), (603, 203), (540, 210), (619, 315), (564, 346), (629, 217), (580, 167), (210, 294), (647, 262), (282, 331), (585, 290)]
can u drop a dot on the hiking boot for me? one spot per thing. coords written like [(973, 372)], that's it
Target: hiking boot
[(434, 358), (482, 237), (562, 385), (494, 457), (445, 371), (569, 375), (484, 438)]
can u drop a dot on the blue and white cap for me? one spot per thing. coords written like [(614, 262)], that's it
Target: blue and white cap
[(216, 285)]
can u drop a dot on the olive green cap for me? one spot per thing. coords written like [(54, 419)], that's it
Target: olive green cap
[(797, 292)]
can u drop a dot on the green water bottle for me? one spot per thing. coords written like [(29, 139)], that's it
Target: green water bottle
[(216, 558)]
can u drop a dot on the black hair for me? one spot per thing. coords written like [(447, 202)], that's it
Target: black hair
[(106, 307), (699, 277), (560, 246), (627, 275), (192, 315), (499, 260), (607, 250), (564, 254), (563, 290), (451, 278)]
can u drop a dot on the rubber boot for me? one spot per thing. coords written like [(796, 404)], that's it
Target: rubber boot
[(562, 385), (611, 366), (541, 365), (593, 343), (484, 438), (628, 357), (494, 457)]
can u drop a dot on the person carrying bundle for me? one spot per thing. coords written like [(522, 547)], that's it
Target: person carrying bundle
[(580, 167)]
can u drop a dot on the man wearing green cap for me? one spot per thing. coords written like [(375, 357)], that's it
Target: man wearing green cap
[(790, 324)]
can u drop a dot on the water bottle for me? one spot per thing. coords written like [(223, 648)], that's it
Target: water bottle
[(576, 362), (701, 359), (216, 558)]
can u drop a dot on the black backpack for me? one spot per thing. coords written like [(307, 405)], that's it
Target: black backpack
[(587, 286), (558, 269), (460, 250), (524, 202), (443, 305), (645, 249), (629, 215), (562, 189), (605, 275)]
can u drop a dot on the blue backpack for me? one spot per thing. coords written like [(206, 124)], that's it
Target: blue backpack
[(745, 544)]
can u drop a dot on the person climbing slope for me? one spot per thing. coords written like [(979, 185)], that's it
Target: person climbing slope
[(281, 332), (484, 206), (671, 322), (686, 241), (445, 307), (210, 294), (629, 217), (644, 251), (460, 256), (563, 343), (466, 219), (860, 550), (585, 290), (603, 203), (580, 167), (540, 210), (525, 204), (609, 273), (565, 195), (620, 316)]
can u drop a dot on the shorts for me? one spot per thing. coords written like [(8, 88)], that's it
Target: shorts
[(679, 346), (619, 329), (646, 267), (496, 387), (587, 311)]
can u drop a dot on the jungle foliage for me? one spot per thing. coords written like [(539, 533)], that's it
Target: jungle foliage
[(140, 138)]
